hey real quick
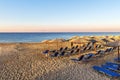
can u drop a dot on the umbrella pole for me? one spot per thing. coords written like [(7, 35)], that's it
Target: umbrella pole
[(118, 52)]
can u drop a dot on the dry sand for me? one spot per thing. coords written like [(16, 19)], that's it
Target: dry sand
[(25, 62), (29, 64)]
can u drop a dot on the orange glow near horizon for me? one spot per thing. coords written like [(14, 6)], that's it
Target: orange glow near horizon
[(60, 28)]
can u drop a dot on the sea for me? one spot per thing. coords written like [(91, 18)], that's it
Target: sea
[(40, 36)]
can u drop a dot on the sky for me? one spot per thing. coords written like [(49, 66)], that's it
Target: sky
[(59, 15)]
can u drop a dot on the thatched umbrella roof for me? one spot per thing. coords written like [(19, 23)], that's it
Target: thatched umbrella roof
[(57, 40), (78, 40), (114, 44), (93, 40), (105, 40)]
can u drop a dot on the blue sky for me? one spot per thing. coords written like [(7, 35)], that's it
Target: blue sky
[(50, 15)]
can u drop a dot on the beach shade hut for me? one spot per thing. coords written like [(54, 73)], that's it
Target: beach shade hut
[(74, 37), (93, 41), (106, 40), (112, 39), (115, 44), (57, 41), (80, 41)]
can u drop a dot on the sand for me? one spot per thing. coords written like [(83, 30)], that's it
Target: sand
[(25, 62)]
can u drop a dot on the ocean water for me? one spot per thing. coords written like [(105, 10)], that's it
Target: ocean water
[(37, 37)]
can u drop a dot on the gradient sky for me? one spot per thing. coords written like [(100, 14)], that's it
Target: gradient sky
[(59, 15)]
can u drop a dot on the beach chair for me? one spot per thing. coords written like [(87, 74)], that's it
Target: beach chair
[(90, 48), (110, 50), (45, 52), (70, 52), (106, 50), (72, 48), (99, 46), (84, 49), (65, 48), (77, 50), (61, 49), (54, 54), (88, 44), (117, 59), (106, 71), (100, 52), (96, 46), (79, 59), (62, 53), (114, 48), (112, 64), (88, 56), (53, 51), (76, 47), (111, 67)]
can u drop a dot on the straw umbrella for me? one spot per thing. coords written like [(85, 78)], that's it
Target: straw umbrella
[(93, 41), (79, 41), (106, 40), (57, 41), (115, 44)]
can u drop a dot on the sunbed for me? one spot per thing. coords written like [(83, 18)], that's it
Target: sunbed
[(79, 59), (112, 64), (87, 57), (61, 49), (115, 68), (62, 53), (65, 48), (45, 52), (106, 71), (117, 59), (54, 54)]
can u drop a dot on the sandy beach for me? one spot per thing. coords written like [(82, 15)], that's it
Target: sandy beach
[(25, 61)]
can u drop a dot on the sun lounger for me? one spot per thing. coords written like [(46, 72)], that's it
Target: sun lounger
[(71, 52), (100, 52), (117, 59), (61, 49), (76, 47), (112, 64), (53, 51), (77, 51), (107, 50), (72, 48), (106, 71), (111, 67), (90, 48), (88, 56), (62, 53), (79, 59), (114, 48), (84, 49), (65, 48), (45, 52), (54, 54)]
